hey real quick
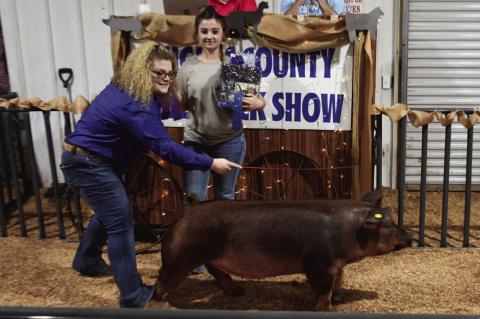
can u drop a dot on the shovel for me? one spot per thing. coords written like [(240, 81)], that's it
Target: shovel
[(66, 76)]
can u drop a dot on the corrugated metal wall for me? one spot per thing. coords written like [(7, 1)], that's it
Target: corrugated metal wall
[(442, 72)]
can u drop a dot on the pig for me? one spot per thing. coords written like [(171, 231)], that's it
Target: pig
[(258, 239)]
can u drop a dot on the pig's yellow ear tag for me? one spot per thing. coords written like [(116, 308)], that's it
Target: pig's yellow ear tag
[(378, 216)]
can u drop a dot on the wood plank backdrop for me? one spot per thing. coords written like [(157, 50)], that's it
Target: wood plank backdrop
[(279, 164)]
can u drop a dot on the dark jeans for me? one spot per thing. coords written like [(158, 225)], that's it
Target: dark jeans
[(196, 181), (99, 183)]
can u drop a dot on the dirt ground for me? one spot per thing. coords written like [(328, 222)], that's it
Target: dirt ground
[(37, 272)]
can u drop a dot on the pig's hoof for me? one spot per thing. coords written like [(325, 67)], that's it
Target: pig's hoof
[(236, 291), (323, 305)]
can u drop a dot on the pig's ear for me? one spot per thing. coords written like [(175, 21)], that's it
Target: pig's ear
[(374, 197), (190, 198), (380, 217), (373, 220)]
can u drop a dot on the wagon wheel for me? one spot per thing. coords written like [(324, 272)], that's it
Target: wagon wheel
[(155, 195), (285, 175)]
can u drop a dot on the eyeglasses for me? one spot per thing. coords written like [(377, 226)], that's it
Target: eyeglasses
[(162, 74)]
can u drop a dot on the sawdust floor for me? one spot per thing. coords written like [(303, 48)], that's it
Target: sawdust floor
[(37, 273)]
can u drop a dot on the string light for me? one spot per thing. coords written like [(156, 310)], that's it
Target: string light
[(244, 189)]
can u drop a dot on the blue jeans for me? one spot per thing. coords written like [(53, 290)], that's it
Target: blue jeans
[(99, 183), (196, 181)]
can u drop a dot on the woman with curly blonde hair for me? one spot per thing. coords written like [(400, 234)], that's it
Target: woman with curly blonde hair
[(135, 75), (123, 121)]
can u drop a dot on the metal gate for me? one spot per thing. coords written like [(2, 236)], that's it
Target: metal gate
[(441, 70)]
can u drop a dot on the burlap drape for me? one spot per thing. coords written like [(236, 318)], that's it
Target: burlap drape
[(274, 31), (290, 35), (60, 103), (363, 97), (419, 118)]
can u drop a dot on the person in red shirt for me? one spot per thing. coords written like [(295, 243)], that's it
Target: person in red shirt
[(224, 7)]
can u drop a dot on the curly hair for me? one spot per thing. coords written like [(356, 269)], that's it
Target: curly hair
[(134, 76)]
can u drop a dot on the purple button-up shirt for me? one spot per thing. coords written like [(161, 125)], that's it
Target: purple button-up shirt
[(118, 127)]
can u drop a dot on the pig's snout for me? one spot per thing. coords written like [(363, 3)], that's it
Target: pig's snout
[(406, 239)]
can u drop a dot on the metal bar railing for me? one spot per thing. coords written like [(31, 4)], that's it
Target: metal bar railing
[(468, 189), (446, 181), (423, 187), (402, 154), (12, 161), (445, 184), (378, 150), (96, 313), (3, 217), (21, 156), (28, 172), (34, 177), (3, 177), (4, 154), (53, 168)]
